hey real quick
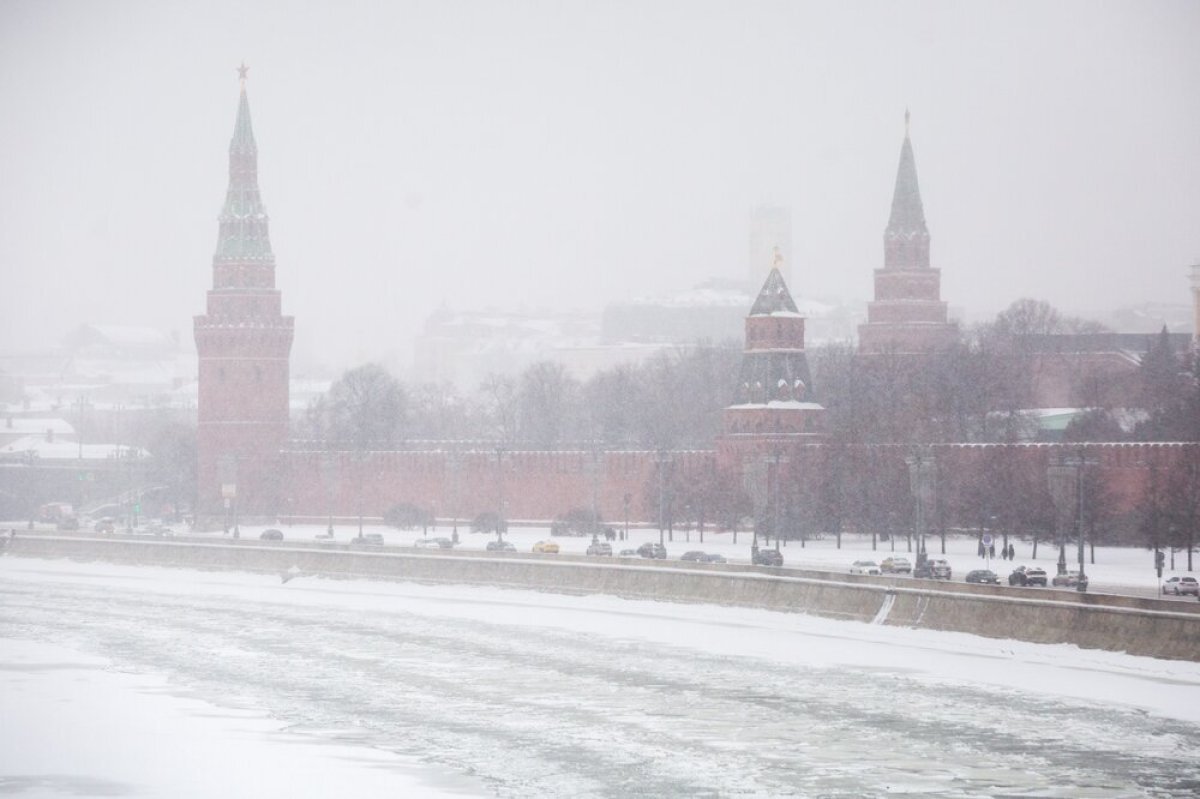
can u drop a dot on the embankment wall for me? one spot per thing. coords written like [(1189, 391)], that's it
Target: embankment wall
[(1094, 621)]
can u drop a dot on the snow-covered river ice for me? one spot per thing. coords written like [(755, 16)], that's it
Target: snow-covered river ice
[(458, 690)]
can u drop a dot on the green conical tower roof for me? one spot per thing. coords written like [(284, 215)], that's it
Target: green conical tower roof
[(244, 232), (774, 298), (906, 240)]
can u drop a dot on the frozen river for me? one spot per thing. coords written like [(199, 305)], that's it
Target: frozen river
[(492, 692)]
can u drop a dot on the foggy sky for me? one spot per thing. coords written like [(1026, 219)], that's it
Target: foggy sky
[(557, 154)]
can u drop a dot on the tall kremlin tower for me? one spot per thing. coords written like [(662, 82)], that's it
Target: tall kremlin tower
[(773, 403), (908, 316), (243, 342)]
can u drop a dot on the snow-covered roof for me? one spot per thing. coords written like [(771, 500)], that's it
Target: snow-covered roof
[(36, 426), (786, 405), (69, 450)]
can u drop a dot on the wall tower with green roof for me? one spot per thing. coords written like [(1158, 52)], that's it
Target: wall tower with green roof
[(244, 342)]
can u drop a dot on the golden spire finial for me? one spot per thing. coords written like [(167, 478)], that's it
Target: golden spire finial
[(241, 71)]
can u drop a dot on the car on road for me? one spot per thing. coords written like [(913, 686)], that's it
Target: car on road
[(933, 570), (1181, 585), (983, 577), (627, 553), (265, 535), (714, 557), (500, 546), (865, 567), (655, 551), (325, 538), (1071, 579), (546, 547), (600, 548), (433, 543), (896, 565), (1036, 575), (1027, 576), (105, 526), (766, 557), (694, 555), (368, 541)]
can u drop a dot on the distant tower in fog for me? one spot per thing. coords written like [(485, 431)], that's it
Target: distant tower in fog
[(243, 342), (770, 227), (908, 316)]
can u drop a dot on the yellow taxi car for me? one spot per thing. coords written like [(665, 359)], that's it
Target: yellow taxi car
[(548, 547)]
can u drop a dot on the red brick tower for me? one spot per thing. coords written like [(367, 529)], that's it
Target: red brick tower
[(908, 316), (243, 342), (773, 401)]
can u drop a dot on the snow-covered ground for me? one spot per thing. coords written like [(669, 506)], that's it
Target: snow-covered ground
[(122, 680)]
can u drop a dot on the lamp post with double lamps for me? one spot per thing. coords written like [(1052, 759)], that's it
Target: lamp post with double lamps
[(922, 483)]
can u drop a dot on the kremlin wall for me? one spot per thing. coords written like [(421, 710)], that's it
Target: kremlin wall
[(772, 435)]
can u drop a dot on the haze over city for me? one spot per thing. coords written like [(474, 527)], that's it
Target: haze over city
[(571, 154)]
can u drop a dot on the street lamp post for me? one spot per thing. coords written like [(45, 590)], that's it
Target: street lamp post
[(921, 482), (1065, 475), (663, 459)]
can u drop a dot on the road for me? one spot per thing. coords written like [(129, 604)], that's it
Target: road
[(547, 695)]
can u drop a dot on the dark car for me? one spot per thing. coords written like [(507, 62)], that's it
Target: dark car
[(714, 558), (368, 540), (500, 546), (767, 557), (983, 576), (694, 555), (271, 535), (657, 551)]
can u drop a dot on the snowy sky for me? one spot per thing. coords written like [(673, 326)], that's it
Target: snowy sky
[(567, 153)]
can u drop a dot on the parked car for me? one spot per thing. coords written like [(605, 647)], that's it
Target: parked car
[(265, 535), (162, 531), (932, 570), (657, 551), (714, 558), (368, 540), (767, 557), (1181, 585), (694, 555), (895, 565), (627, 553), (600, 548), (500, 546), (1035, 576), (324, 538), (983, 577), (864, 567), (1071, 579), (105, 526), (68, 524), (442, 542), (546, 547)]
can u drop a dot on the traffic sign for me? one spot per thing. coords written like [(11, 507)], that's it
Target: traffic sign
[(987, 539)]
